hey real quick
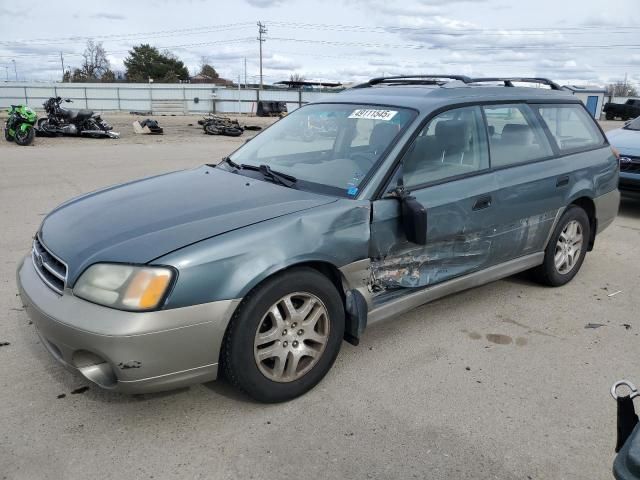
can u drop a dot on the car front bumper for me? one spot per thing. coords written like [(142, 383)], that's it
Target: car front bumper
[(629, 181), (133, 352)]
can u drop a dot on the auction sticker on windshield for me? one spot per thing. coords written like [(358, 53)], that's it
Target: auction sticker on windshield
[(373, 114)]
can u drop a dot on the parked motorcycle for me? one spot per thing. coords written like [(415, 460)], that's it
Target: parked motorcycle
[(61, 120), (20, 125)]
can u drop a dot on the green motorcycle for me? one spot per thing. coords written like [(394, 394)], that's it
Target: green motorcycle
[(20, 125)]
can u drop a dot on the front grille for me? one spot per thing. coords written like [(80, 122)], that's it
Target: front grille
[(51, 269), (629, 164)]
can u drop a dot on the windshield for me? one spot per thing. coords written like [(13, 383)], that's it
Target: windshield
[(327, 148), (633, 124)]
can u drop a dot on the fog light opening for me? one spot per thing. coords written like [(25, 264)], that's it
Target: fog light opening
[(94, 368)]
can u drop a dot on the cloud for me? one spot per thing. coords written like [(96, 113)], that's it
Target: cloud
[(108, 16), (279, 62), (264, 3)]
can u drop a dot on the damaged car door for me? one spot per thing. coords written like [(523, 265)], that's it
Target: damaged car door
[(446, 170)]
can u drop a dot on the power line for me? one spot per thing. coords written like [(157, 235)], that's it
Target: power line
[(420, 46), (187, 45), (125, 36), (467, 31)]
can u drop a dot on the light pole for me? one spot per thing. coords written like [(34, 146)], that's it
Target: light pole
[(15, 69)]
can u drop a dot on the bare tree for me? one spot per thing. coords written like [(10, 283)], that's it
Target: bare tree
[(621, 89), (296, 77), (95, 62)]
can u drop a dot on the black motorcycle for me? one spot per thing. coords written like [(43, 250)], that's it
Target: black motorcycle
[(63, 121)]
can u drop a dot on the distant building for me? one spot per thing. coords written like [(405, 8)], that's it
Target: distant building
[(200, 78), (592, 97)]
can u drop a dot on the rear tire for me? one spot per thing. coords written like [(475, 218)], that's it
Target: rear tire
[(609, 116), (284, 336), (25, 138), (566, 249)]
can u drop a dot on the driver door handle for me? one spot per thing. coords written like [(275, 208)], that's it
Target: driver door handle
[(482, 203)]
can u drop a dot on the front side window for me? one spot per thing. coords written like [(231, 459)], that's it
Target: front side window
[(515, 135), (451, 144), (571, 126), (327, 148)]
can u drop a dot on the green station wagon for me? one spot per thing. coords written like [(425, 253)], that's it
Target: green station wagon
[(347, 212)]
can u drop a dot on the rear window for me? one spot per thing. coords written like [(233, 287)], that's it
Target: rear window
[(571, 126)]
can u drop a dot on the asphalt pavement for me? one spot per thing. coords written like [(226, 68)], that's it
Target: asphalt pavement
[(501, 382)]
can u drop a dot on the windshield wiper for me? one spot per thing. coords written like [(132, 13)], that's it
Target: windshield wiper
[(277, 177), (273, 175)]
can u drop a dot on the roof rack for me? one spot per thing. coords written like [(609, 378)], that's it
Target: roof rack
[(508, 82), (413, 80)]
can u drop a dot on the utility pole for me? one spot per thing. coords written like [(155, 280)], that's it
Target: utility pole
[(261, 31), (15, 69), (62, 61), (245, 73), (6, 69)]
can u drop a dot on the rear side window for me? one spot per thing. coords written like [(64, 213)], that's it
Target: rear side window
[(571, 126), (515, 135)]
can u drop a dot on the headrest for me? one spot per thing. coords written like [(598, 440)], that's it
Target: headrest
[(517, 133), (451, 132), (383, 134)]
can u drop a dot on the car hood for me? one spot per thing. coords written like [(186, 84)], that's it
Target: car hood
[(626, 141), (140, 221)]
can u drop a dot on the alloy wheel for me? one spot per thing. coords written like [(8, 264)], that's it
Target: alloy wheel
[(568, 247), (291, 337)]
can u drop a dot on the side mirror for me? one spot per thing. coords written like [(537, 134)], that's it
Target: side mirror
[(414, 220)]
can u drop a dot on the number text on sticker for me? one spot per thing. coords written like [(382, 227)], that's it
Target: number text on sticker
[(373, 114)]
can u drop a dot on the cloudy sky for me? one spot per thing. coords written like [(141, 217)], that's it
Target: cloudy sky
[(582, 42)]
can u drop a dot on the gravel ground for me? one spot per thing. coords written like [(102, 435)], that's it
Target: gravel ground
[(177, 129), (500, 382)]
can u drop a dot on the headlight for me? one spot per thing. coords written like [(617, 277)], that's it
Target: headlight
[(124, 287)]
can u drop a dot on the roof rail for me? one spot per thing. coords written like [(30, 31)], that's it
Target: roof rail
[(413, 80), (508, 82)]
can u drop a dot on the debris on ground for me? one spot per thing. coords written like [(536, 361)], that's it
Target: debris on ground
[(271, 109), (142, 114), (79, 390), (4, 344), (613, 294), (148, 126), (62, 395), (219, 125), (594, 325), (626, 326)]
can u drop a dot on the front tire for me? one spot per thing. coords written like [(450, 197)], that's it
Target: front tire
[(285, 336), (25, 137), (609, 116), (566, 249), (7, 135)]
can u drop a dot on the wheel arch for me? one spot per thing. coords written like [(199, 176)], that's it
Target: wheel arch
[(323, 266), (586, 203)]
